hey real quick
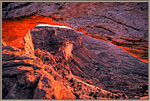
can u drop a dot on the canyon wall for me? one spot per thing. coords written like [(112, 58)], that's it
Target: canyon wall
[(77, 63), (123, 24), (93, 61), (90, 68)]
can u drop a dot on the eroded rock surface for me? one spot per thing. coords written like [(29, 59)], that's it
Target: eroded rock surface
[(57, 63), (28, 44), (123, 24), (24, 77), (44, 76), (65, 60), (96, 62)]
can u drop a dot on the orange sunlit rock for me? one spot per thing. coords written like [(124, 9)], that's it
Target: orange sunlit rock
[(62, 75), (145, 97), (14, 31), (64, 50), (32, 75), (48, 88), (124, 48)]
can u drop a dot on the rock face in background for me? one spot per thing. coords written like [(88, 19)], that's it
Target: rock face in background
[(93, 61), (123, 24), (57, 63), (46, 74), (91, 67)]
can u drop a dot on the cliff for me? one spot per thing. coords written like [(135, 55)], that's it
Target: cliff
[(123, 24), (102, 56)]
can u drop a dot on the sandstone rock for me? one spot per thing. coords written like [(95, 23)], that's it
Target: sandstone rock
[(96, 62), (145, 97), (29, 47), (23, 76), (109, 64), (108, 21), (16, 70), (3, 43), (67, 61), (118, 64), (58, 67), (48, 88), (67, 50), (57, 44)]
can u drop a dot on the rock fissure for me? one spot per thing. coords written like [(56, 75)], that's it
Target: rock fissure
[(122, 23), (97, 26), (59, 63)]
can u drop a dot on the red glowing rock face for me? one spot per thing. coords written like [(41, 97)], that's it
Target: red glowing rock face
[(90, 64), (129, 50), (14, 32), (56, 63)]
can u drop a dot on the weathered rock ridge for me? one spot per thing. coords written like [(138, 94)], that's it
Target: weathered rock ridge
[(94, 61), (123, 24), (45, 74), (85, 67), (58, 63), (24, 77)]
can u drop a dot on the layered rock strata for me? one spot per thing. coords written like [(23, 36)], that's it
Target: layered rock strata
[(123, 24), (56, 63)]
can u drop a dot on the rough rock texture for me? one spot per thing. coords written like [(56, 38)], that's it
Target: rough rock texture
[(24, 77), (90, 71), (56, 63), (96, 62), (44, 76), (28, 44), (123, 24)]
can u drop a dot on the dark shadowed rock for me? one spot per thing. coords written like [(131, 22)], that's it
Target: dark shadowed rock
[(91, 66), (21, 78), (94, 61), (123, 24), (58, 63)]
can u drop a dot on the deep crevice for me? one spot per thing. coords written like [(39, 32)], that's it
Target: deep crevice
[(122, 23), (97, 26)]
